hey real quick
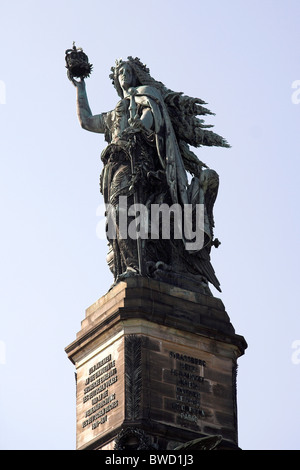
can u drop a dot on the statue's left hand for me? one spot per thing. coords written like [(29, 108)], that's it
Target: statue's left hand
[(77, 83), (136, 122)]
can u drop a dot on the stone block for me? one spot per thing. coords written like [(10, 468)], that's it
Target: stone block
[(156, 367)]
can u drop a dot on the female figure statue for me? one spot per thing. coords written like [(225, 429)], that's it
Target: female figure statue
[(146, 163)]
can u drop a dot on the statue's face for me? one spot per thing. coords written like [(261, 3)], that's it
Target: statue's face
[(125, 76)]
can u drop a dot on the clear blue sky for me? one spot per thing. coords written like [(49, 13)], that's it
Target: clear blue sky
[(242, 57)]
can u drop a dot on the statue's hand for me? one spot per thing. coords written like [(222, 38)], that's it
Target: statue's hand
[(77, 83), (136, 122)]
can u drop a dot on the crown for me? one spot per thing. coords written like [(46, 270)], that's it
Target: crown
[(77, 63)]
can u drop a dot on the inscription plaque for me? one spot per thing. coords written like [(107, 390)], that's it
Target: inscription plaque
[(189, 374), (99, 393), (101, 378)]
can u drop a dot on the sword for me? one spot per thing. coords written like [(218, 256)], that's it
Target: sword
[(132, 106), (132, 118)]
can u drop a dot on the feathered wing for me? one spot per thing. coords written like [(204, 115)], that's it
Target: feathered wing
[(189, 129), (192, 130)]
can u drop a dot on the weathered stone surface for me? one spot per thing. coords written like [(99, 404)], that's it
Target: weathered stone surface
[(144, 360)]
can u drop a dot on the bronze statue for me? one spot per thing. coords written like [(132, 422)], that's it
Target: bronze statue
[(148, 165)]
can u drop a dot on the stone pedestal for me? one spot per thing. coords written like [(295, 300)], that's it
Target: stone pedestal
[(156, 368)]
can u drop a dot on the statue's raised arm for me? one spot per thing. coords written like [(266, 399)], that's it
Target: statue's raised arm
[(88, 121), (79, 67)]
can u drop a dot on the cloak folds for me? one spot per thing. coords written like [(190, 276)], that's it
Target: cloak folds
[(171, 160)]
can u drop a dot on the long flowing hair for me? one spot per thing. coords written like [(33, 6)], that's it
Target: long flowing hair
[(183, 111)]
